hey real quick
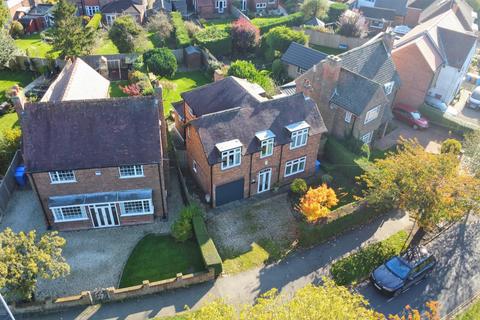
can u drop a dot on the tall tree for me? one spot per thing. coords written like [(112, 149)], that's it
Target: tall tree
[(431, 188), (314, 8), (245, 36), (68, 34), (125, 33), (352, 25), (24, 258), (7, 48), (471, 146)]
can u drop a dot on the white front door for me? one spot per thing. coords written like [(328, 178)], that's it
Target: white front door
[(264, 178), (104, 216)]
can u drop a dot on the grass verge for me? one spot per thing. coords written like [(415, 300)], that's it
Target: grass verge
[(356, 267), (471, 313), (158, 257)]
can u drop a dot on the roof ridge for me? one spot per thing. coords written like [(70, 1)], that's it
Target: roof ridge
[(74, 67), (366, 44), (362, 76)]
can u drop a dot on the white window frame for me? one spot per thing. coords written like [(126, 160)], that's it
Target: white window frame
[(367, 138), (372, 114), (123, 212), (58, 177), (348, 117), (194, 166), (376, 24), (261, 5), (272, 1), (299, 138), (236, 153), (58, 212), (389, 87), (269, 145), (137, 171), (300, 71), (217, 4), (91, 10), (300, 163), (110, 18)]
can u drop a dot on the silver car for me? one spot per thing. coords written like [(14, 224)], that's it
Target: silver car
[(473, 101)]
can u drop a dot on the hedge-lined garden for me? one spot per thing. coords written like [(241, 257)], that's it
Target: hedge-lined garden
[(291, 20), (217, 41), (182, 39), (210, 255)]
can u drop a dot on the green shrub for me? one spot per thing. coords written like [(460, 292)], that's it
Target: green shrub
[(142, 80), (335, 10), (443, 119), (94, 23), (161, 61), (298, 186), (365, 151), (190, 211), (9, 144), (265, 24), (246, 70), (279, 72), (359, 265), (124, 33), (182, 230), (139, 65), (16, 29), (451, 146), (181, 34), (326, 178), (216, 40), (210, 255), (342, 158), (280, 38)]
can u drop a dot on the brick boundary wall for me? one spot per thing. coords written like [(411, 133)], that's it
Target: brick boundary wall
[(113, 294)]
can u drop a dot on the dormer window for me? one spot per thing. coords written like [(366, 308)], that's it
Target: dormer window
[(267, 141), (231, 152), (388, 87), (299, 132)]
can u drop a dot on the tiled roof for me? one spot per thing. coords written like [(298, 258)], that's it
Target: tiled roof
[(121, 6), (399, 6), (315, 22), (85, 134), (77, 81), (378, 13), (302, 56), (464, 13), (244, 122)]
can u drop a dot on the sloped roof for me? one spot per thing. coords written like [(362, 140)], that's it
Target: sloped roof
[(315, 22), (230, 92), (378, 13), (302, 56), (66, 135), (399, 6), (121, 6), (244, 122), (77, 81), (464, 13), (420, 4)]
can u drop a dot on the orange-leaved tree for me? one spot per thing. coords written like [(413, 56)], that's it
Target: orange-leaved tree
[(316, 203)]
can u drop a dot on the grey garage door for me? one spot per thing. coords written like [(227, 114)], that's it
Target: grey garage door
[(229, 192)]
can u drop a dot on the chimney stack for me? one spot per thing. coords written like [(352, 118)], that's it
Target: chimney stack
[(388, 39), (18, 99), (103, 67), (332, 68)]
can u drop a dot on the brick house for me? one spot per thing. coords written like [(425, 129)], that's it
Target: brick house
[(433, 59), (355, 90), (391, 12), (299, 58), (239, 144), (209, 9)]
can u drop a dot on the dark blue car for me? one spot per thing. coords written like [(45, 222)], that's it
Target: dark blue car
[(401, 272)]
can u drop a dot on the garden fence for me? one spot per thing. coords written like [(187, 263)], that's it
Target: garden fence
[(333, 40), (8, 184)]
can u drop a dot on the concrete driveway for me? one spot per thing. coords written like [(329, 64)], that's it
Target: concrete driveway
[(455, 279), (431, 139), (97, 256), (464, 113)]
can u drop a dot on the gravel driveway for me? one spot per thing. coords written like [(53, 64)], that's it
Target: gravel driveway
[(96, 256)]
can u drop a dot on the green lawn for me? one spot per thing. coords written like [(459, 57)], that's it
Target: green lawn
[(106, 46), (115, 90), (8, 121), (34, 46), (184, 81), (10, 78), (472, 313), (219, 23), (326, 50), (158, 257)]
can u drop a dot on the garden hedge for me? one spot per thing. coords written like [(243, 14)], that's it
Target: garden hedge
[(94, 22), (341, 157), (210, 255), (216, 40), (444, 120), (265, 24), (182, 38)]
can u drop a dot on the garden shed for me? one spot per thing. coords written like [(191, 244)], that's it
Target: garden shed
[(193, 57)]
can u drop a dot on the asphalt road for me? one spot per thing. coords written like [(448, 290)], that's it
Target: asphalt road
[(455, 279)]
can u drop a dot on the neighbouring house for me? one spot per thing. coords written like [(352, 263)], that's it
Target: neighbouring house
[(37, 18), (94, 162), (261, 5), (433, 59), (239, 143), (420, 11), (378, 19), (299, 58), (393, 11), (133, 8), (354, 91), (209, 9), (18, 8)]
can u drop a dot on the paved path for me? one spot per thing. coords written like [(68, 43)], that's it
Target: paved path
[(291, 274)]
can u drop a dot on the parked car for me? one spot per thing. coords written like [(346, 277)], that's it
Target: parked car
[(409, 115), (400, 272), (436, 103), (474, 100)]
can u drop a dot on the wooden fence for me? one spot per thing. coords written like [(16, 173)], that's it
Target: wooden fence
[(8, 184)]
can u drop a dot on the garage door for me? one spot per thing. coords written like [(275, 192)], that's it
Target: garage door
[(229, 192)]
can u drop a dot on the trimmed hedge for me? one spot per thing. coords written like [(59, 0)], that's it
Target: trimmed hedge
[(182, 39), (94, 22), (444, 120), (216, 40), (342, 158), (265, 24), (207, 247)]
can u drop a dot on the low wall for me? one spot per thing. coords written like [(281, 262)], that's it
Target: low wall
[(113, 294), (333, 40)]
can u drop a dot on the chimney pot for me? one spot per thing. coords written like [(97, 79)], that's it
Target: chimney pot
[(18, 99)]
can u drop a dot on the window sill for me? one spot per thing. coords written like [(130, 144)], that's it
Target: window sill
[(63, 182), (266, 156), (132, 177), (71, 220), (292, 174), (223, 169), (298, 147), (136, 214)]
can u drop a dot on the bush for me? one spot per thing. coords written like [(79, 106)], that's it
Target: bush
[(192, 28), (343, 158), (326, 178), (335, 11), (279, 72), (161, 61), (245, 35), (246, 70), (138, 64), (94, 23), (358, 266), (216, 40), (316, 203), (210, 255), (16, 29), (182, 230), (365, 151), (9, 144), (451, 146), (141, 80), (160, 24), (279, 38), (181, 34), (124, 33), (298, 186), (265, 24), (351, 26)]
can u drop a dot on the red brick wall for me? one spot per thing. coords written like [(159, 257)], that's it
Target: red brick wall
[(412, 17), (89, 182), (195, 152)]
